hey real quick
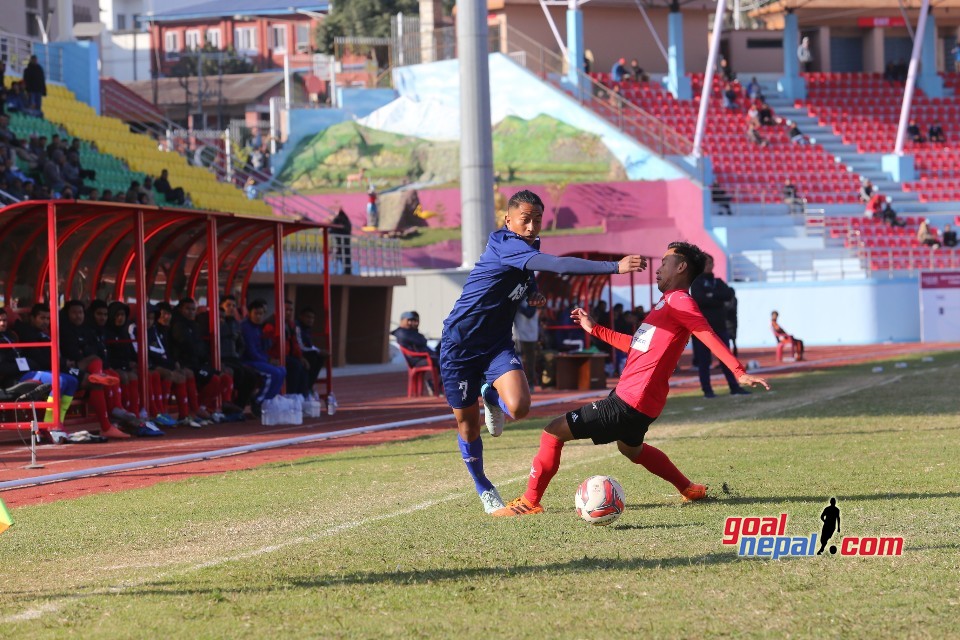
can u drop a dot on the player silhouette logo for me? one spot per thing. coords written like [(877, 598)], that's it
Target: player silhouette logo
[(831, 523)]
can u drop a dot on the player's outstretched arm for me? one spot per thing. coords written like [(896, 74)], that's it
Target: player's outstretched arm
[(615, 339), (753, 381), (579, 266)]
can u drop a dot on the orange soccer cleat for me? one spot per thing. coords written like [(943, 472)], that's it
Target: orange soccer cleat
[(519, 507), (103, 379), (694, 492)]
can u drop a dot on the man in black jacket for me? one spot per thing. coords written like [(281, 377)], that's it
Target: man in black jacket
[(712, 294), (36, 83)]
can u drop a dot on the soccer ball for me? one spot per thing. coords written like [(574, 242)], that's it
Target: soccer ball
[(599, 500)]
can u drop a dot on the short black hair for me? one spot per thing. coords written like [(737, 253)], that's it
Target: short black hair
[(308, 310), (95, 304), (695, 258), (185, 301), (72, 303), (163, 306), (38, 308), (524, 197), (259, 303), (229, 296), (3, 311)]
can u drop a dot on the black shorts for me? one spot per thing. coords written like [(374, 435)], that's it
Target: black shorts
[(609, 420)]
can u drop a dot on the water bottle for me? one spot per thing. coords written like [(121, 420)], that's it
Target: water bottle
[(331, 404)]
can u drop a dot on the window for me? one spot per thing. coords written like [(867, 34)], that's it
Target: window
[(213, 38), (278, 38), (303, 38), (121, 22), (171, 45), (192, 39), (245, 39)]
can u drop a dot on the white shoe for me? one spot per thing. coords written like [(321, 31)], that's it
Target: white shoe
[(491, 500), (492, 416)]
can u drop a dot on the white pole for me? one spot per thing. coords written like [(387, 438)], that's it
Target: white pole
[(708, 78), (911, 79), (286, 80), (653, 32), (228, 152)]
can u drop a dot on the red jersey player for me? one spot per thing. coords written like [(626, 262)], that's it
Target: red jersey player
[(624, 416)]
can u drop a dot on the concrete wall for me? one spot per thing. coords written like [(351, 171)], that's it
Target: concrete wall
[(79, 62), (125, 56), (743, 50), (432, 294)]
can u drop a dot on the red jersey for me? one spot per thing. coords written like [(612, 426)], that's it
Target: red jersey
[(655, 349)]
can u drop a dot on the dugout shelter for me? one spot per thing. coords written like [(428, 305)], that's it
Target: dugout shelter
[(56, 250)]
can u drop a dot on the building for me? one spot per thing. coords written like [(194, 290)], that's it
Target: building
[(264, 31)]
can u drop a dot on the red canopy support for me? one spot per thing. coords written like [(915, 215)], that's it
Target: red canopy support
[(54, 301)]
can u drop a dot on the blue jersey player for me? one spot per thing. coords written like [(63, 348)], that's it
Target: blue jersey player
[(477, 356)]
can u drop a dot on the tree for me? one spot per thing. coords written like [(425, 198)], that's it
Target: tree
[(370, 18)]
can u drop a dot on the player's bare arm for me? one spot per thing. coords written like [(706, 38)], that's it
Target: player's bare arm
[(582, 318), (753, 381), (537, 299)]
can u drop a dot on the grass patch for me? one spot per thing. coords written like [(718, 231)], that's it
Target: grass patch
[(390, 541)]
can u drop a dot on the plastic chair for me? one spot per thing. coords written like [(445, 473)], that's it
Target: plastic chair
[(417, 375), (782, 343)]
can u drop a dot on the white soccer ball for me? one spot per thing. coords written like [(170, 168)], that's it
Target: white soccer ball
[(599, 500)]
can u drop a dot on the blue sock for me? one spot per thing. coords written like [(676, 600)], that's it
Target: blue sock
[(491, 396), (472, 453)]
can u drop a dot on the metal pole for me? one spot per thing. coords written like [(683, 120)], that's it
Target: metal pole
[(280, 295), (213, 291), (286, 80), (328, 312), (34, 434), (476, 145), (54, 303), (911, 79), (139, 248), (708, 78), (653, 32), (228, 152)]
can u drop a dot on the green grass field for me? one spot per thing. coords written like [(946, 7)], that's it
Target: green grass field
[(390, 541)]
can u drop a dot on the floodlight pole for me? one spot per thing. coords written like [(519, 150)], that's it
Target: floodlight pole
[(911, 79), (708, 79), (476, 145)]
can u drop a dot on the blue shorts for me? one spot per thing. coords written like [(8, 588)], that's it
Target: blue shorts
[(463, 372)]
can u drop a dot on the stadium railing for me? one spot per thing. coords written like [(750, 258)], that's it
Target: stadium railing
[(357, 255)]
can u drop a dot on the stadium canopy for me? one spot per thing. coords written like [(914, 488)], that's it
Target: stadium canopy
[(850, 7), (53, 251)]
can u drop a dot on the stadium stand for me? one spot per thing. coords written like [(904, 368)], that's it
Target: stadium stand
[(140, 153)]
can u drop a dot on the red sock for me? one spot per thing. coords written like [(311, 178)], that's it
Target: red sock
[(97, 402), (192, 397), (165, 386), (545, 465), (211, 392), (112, 393), (180, 389), (226, 387), (657, 463), (131, 393)]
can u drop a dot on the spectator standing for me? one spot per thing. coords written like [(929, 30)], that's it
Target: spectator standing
[(731, 308), (712, 295), (728, 74), (804, 55), (373, 217), (526, 327), (36, 83), (949, 236)]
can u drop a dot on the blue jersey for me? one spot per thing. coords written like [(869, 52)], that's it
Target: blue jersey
[(483, 316)]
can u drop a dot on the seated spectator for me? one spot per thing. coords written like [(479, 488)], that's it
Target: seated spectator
[(639, 75), (890, 72), (753, 135), (766, 115), (297, 366), (721, 198), (409, 337), (133, 193), (173, 195), (875, 205), (245, 379), (889, 215), (754, 91), (913, 132), (52, 172), (78, 357), (255, 355), (935, 133), (949, 236), (618, 71), (171, 376), (193, 355), (93, 195), (250, 189), (792, 198), (16, 98), (146, 192), (730, 97), (782, 335), (866, 190), (19, 147), (796, 136), (315, 356), (927, 235), (753, 115)]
